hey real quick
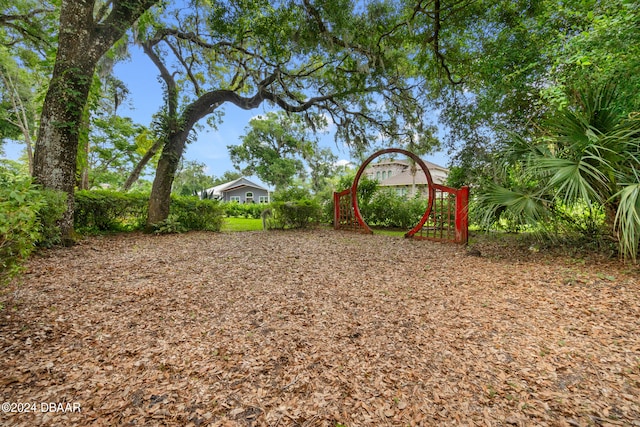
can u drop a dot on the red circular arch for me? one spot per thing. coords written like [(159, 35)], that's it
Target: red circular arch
[(356, 180)]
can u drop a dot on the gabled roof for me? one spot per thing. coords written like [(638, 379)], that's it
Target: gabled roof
[(232, 185)]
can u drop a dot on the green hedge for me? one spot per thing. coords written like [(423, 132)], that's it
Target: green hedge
[(243, 210), (387, 208), (105, 210), (294, 214), (196, 214)]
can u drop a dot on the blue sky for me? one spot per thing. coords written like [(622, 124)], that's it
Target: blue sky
[(210, 146)]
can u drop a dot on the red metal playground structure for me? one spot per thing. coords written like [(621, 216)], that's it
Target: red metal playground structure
[(445, 219)]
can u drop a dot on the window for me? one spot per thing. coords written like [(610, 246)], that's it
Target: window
[(389, 174), (234, 199), (263, 199), (248, 195), (384, 175), (378, 175)]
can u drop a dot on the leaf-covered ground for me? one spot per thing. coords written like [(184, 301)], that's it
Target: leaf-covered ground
[(318, 328)]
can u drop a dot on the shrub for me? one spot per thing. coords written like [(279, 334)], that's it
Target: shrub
[(54, 205), (290, 194), (387, 208), (327, 208), (196, 214), (27, 218), (295, 214), (108, 210), (169, 226), (243, 210)]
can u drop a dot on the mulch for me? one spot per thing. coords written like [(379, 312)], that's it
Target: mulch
[(318, 328)]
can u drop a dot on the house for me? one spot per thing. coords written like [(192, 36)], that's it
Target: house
[(240, 190), (392, 173)]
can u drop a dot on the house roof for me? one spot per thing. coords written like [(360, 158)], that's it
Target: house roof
[(232, 185)]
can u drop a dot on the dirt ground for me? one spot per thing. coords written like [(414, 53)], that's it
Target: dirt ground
[(317, 328)]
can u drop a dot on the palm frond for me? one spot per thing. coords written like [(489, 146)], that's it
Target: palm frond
[(627, 221), (573, 180), (528, 206)]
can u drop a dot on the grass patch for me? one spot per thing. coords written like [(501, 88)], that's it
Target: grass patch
[(241, 224), (390, 232)]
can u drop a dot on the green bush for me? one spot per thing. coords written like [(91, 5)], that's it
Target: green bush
[(327, 209), (27, 218), (196, 214), (294, 214), (54, 205), (387, 208), (290, 194), (169, 226)]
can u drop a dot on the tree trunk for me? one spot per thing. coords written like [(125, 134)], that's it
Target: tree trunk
[(57, 144), (414, 170), (135, 174), (81, 43), (160, 199)]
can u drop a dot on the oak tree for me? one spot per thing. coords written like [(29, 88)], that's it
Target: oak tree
[(87, 30), (333, 57)]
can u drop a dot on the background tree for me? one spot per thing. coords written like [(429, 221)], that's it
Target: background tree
[(28, 25), (18, 112), (227, 176), (602, 46), (422, 141), (191, 179), (322, 168), (117, 145), (512, 61), (26, 55), (274, 148)]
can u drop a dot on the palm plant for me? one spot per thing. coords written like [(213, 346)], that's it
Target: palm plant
[(586, 155)]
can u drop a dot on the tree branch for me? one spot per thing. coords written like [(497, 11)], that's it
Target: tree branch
[(30, 21), (434, 38), (120, 19), (167, 77)]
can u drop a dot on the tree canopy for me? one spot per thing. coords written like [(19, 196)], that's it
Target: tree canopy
[(338, 59)]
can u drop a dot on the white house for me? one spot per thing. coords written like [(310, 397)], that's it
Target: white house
[(240, 190), (392, 173)]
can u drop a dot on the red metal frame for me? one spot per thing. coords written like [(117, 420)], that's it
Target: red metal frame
[(353, 219)]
